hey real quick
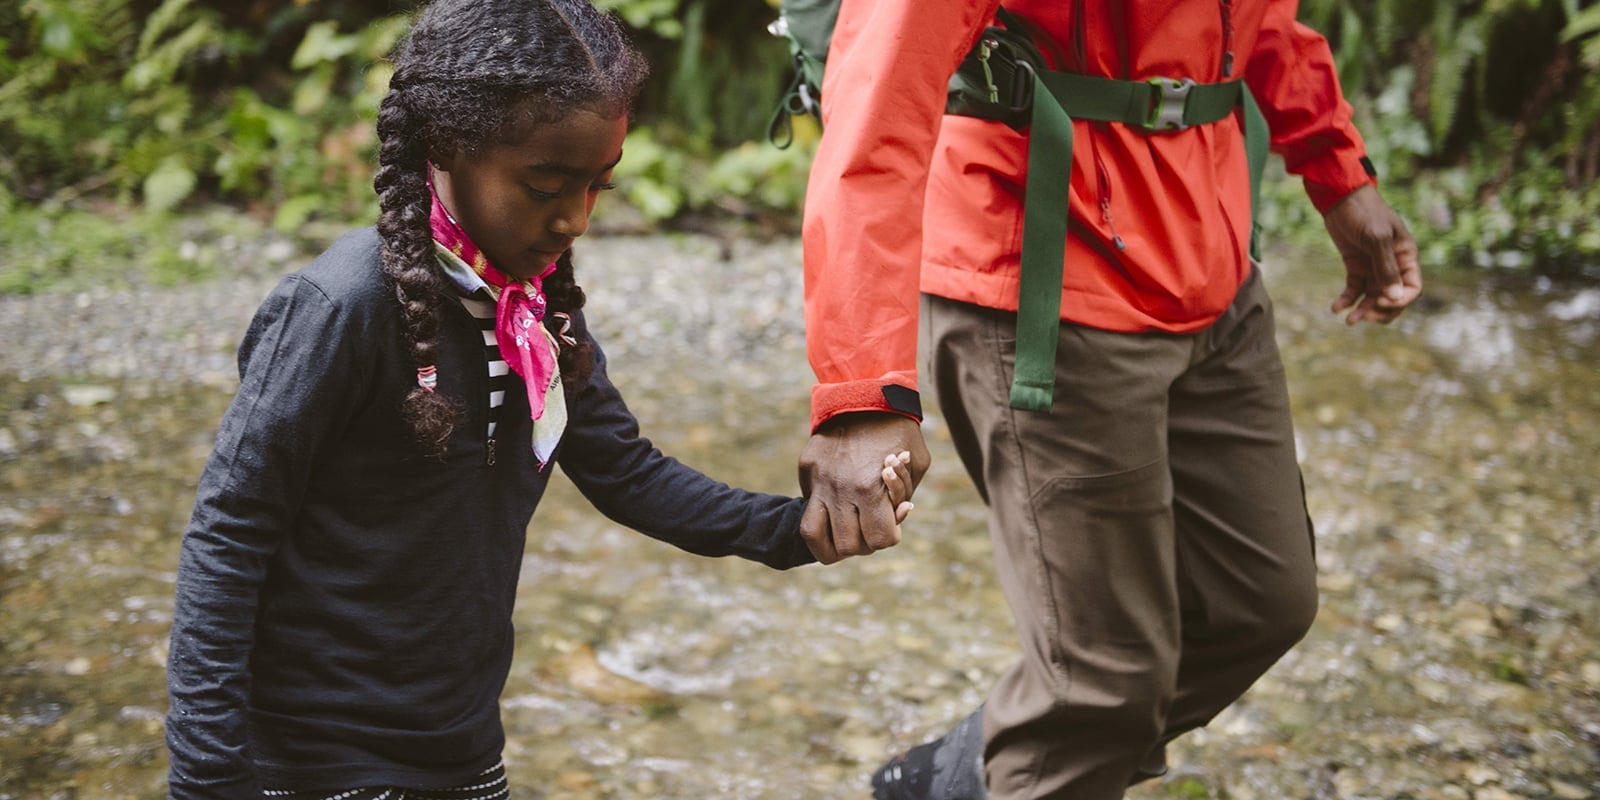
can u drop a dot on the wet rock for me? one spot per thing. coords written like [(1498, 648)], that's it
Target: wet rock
[(1563, 790), (1591, 674), (1480, 775), (577, 781), (88, 395), (581, 671), (1494, 793)]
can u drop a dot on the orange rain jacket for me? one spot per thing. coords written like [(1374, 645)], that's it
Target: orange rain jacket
[(903, 198)]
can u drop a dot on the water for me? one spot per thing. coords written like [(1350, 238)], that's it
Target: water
[(1451, 461)]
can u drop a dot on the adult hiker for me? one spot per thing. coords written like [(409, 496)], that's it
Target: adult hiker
[(1137, 456)]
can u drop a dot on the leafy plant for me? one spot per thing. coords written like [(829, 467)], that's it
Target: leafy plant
[(106, 247), (1483, 118)]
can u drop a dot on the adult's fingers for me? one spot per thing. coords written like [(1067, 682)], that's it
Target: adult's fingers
[(878, 528), (1408, 283), (1380, 240), (817, 533), (1354, 287)]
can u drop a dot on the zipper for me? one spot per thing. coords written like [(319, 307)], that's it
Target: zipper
[(1103, 177), (1227, 38)]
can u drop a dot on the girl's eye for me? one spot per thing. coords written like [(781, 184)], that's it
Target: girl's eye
[(541, 194), (602, 187)]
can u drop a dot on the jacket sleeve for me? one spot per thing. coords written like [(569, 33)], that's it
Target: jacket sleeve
[(883, 97), (292, 363), (634, 484), (1293, 75)]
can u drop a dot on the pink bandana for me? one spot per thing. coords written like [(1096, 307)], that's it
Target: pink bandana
[(519, 308)]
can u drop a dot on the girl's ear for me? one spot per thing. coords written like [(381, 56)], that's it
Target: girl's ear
[(441, 161)]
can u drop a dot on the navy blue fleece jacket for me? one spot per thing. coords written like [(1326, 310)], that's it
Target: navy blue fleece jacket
[(344, 603)]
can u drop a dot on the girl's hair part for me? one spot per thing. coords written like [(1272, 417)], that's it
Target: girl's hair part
[(470, 74)]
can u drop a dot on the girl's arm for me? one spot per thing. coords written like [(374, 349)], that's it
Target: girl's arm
[(636, 485), (291, 365)]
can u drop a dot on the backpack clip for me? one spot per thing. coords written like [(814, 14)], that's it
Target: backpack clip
[(1168, 104)]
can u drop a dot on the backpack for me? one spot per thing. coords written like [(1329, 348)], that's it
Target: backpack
[(994, 81), (1005, 78)]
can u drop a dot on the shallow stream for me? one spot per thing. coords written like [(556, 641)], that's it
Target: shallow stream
[(1452, 460)]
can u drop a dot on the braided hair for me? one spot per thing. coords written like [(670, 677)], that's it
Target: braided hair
[(468, 74)]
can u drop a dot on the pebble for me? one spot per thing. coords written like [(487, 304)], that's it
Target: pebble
[(1569, 791), (1591, 674)]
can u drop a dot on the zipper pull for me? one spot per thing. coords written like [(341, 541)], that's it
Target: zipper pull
[(489, 456), (1104, 178), (1105, 214), (985, 48)]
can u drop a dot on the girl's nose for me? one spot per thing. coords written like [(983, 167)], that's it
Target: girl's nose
[(572, 220)]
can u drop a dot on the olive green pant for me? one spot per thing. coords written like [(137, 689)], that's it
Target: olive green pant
[(1150, 534)]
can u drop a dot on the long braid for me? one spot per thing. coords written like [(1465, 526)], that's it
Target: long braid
[(565, 297), (408, 261), (466, 74)]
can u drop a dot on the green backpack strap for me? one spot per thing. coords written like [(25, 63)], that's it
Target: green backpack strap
[(1257, 139), (1155, 105), (1044, 246)]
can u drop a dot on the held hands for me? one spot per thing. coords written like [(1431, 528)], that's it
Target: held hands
[(897, 482), (857, 498), (1382, 275)]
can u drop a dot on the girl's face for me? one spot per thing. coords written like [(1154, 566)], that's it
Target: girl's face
[(524, 201)]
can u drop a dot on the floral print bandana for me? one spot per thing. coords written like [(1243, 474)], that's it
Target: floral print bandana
[(519, 329)]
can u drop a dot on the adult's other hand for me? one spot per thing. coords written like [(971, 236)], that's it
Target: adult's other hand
[(1382, 273)]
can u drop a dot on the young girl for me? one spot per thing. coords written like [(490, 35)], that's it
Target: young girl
[(343, 617)]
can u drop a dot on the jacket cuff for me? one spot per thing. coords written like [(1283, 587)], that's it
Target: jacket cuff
[(829, 400), (1337, 176)]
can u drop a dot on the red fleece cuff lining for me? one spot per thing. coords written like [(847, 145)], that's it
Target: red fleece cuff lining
[(831, 400)]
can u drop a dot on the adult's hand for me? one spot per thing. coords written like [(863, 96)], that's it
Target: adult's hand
[(849, 511), (1382, 275)]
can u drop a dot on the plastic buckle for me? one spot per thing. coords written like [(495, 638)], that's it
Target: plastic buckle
[(1166, 113), (1022, 90)]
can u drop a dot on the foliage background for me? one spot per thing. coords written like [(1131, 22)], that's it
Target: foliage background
[(124, 121)]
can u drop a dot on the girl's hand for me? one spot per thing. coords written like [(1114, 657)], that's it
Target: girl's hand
[(897, 482)]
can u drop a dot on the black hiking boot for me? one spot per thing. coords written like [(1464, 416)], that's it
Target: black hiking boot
[(947, 768), (951, 767)]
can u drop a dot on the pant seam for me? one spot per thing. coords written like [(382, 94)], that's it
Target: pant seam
[(1059, 668)]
